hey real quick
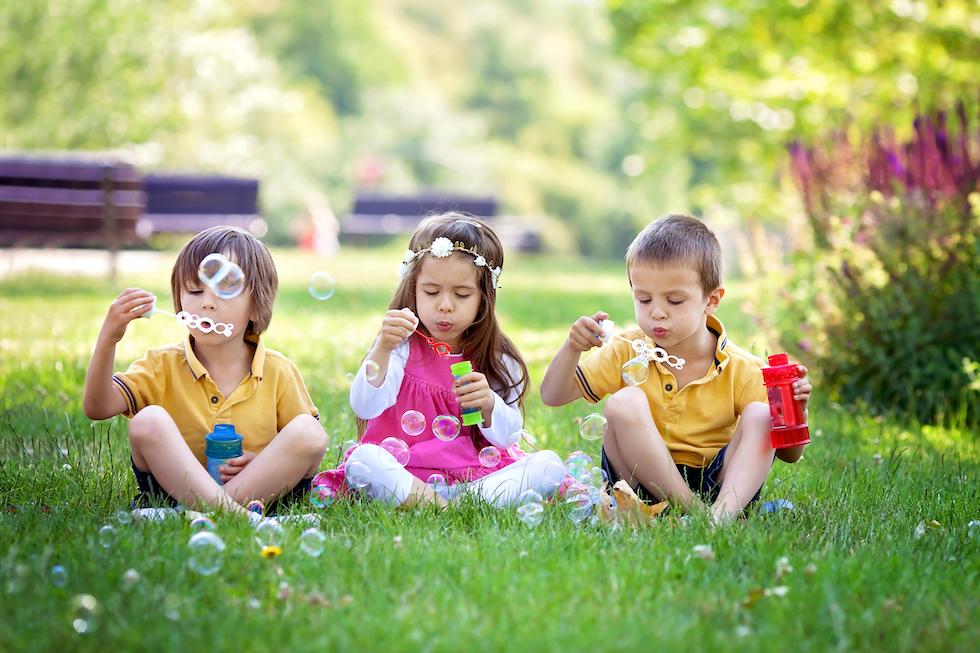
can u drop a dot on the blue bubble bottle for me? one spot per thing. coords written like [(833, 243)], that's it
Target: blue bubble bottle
[(220, 446)]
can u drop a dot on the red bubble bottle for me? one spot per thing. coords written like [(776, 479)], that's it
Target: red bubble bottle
[(788, 419)]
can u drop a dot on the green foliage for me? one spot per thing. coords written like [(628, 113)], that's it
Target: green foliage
[(895, 292), (736, 77)]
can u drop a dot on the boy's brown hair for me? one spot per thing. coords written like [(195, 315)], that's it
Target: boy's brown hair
[(678, 238), (248, 252)]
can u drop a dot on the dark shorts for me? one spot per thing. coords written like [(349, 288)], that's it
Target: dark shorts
[(150, 494), (704, 481)]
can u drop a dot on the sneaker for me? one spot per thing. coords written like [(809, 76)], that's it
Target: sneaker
[(154, 514)]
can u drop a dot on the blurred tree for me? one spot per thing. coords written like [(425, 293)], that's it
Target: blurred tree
[(738, 77)]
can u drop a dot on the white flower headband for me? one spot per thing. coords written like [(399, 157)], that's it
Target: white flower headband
[(441, 248)]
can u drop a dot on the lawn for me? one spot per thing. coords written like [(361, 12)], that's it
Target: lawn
[(877, 555)]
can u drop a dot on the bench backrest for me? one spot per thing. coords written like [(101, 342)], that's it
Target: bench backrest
[(377, 213), (190, 203), (68, 202)]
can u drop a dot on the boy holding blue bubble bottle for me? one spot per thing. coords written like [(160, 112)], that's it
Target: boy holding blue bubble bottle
[(688, 416), (219, 383)]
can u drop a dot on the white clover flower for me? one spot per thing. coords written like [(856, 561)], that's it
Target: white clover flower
[(441, 247), (479, 261)]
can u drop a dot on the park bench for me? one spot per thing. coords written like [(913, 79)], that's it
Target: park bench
[(58, 202), (178, 203), (376, 214)]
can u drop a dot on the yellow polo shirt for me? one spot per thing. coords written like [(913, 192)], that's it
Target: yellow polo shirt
[(696, 421), (263, 403)]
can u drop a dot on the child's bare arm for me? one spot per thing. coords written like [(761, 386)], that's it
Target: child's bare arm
[(100, 399), (558, 386)]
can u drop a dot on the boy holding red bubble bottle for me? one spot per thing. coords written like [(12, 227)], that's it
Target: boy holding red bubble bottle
[(694, 427)]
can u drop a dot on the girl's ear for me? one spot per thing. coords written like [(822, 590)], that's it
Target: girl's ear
[(714, 299)]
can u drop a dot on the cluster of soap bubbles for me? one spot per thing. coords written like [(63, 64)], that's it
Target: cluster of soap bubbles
[(582, 488), (204, 324), (530, 508), (224, 277), (637, 369)]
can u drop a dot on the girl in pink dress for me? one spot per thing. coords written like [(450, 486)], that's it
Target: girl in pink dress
[(446, 297)]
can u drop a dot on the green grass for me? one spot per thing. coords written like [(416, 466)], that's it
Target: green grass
[(470, 578)]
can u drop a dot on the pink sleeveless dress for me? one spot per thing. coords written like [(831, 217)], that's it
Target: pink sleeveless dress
[(428, 388)]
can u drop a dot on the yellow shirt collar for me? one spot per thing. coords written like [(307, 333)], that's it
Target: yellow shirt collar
[(718, 330), (198, 369)]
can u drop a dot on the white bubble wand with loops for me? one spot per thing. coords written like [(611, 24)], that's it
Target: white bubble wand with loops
[(637, 369), (192, 321)]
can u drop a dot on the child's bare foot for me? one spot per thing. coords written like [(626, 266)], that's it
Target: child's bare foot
[(422, 494)]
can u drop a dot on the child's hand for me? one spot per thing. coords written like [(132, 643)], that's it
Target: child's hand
[(132, 303), (395, 327), (586, 332), (235, 465), (473, 391), (802, 387)]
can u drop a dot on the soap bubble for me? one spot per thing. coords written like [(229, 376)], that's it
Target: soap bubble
[(554, 474), (224, 277), (593, 427), (231, 284), (578, 464), (206, 552), (371, 370), (130, 578), (202, 523), (529, 495), (123, 517), (107, 536), (269, 533), (530, 513), (413, 422), (437, 482), (210, 267), (358, 475), (596, 477), (322, 285), (84, 613), (490, 456), (579, 501), (311, 542), (446, 427), (256, 506), (397, 448), (321, 496), (636, 370), (59, 576)]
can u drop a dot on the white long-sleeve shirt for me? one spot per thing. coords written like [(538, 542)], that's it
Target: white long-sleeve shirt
[(368, 401)]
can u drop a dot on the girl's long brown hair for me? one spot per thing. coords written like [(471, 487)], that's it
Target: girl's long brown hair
[(483, 342)]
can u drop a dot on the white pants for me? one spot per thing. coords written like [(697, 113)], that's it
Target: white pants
[(392, 483)]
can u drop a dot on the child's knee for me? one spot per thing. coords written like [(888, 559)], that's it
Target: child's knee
[(147, 424), (540, 460), (756, 418), (625, 402), (311, 436)]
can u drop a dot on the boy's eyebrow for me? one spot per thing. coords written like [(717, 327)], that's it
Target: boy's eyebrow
[(676, 291)]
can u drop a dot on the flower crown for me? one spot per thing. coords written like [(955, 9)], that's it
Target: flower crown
[(441, 248)]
